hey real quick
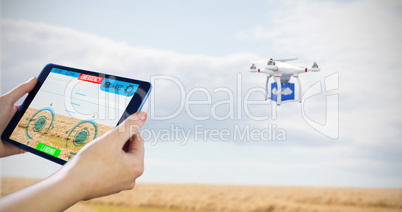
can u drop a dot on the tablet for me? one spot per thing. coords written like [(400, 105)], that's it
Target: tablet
[(69, 107)]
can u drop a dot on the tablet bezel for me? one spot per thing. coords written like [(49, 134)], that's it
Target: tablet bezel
[(135, 105)]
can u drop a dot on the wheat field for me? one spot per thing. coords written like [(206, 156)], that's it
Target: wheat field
[(58, 135), (197, 197)]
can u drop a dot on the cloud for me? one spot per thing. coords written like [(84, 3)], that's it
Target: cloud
[(241, 35), (315, 27), (347, 37), (343, 37), (287, 91), (27, 47), (359, 40)]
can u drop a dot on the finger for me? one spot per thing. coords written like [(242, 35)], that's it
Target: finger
[(9, 149), (137, 145), (131, 126), (21, 90), (15, 109)]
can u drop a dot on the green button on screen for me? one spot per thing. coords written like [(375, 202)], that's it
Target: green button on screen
[(48, 149)]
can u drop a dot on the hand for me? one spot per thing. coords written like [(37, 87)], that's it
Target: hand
[(7, 111), (110, 163), (107, 165)]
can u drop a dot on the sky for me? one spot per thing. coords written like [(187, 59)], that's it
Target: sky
[(345, 133)]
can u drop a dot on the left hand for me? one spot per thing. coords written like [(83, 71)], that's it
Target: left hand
[(7, 111)]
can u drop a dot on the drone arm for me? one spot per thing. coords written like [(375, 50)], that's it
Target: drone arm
[(312, 69), (272, 68)]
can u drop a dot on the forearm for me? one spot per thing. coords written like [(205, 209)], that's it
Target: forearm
[(52, 194), (102, 167)]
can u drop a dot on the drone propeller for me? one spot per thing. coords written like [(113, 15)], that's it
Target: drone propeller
[(258, 61), (280, 60), (285, 60)]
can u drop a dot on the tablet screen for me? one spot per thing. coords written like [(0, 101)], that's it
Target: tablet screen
[(70, 110)]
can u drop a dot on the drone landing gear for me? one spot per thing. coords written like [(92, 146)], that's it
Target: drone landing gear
[(267, 90), (279, 90), (300, 88)]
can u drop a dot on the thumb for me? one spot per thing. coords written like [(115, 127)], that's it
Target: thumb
[(131, 126), (21, 90), (136, 145)]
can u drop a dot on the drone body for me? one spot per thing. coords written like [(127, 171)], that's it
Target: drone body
[(282, 72)]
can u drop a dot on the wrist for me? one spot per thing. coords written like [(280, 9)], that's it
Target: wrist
[(69, 186), (55, 193)]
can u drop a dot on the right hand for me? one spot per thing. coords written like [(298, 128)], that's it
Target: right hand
[(110, 163)]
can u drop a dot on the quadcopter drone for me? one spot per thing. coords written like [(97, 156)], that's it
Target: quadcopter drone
[(282, 90)]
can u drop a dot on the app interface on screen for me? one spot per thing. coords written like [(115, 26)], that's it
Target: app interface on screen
[(70, 110)]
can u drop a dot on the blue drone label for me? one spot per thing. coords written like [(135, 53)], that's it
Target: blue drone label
[(287, 91)]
